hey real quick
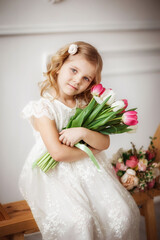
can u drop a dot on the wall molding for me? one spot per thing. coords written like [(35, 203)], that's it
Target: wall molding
[(143, 50), (85, 27), (129, 73)]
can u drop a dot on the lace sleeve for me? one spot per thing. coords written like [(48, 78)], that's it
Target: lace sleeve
[(40, 108)]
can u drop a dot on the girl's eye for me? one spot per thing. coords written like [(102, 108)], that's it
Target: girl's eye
[(73, 70), (87, 79)]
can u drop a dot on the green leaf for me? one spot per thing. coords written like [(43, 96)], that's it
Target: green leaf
[(78, 121), (103, 121), (132, 109), (103, 114), (92, 124), (95, 112), (115, 129), (120, 173), (78, 111), (125, 156)]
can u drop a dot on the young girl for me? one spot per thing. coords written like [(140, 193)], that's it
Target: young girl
[(74, 201)]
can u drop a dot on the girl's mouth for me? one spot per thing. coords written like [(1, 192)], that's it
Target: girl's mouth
[(72, 86)]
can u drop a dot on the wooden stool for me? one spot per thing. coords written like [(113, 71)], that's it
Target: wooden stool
[(145, 203), (16, 220)]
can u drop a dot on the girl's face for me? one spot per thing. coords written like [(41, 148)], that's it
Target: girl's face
[(75, 76)]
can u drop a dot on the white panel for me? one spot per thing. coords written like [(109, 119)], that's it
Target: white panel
[(131, 62)]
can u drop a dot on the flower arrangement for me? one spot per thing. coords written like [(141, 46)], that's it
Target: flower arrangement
[(136, 169), (102, 114)]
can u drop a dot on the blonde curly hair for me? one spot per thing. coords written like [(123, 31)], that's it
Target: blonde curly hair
[(89, 52)]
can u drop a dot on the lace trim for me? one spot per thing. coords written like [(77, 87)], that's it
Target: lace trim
[(38, 109)]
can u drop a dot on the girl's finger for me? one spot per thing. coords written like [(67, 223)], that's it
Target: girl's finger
[(64, 142), (61, 132), (61, 138), (67, 143)]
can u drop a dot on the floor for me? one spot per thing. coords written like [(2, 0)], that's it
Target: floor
[(37, 236)]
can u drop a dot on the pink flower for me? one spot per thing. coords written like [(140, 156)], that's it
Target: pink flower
[(150, 155), (129, 180), (142, 165), (130, 118), (108, 92), (115, 169), (156, 165), (97, 90), (155, 172), (125, 103), (151, 184), (121, 166), (132, 162), (117, 105)]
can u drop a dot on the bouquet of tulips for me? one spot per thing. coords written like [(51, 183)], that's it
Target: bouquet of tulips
[(136, 169), (102, 114)]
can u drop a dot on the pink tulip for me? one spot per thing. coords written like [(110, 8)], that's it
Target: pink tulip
[(132, 162), (97, 90), (130, 118), (117, 105), (108, 92), (121, 166), (151, 184), (125, 103)]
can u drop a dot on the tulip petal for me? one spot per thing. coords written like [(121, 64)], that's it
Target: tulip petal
[(97, 90)]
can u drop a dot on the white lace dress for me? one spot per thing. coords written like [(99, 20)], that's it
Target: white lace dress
[(74, 201)]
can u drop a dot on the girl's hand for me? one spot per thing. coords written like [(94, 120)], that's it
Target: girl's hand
[(94, 151), (71, 136)]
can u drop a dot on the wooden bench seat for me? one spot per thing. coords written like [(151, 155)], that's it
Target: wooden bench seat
[(16, 220)]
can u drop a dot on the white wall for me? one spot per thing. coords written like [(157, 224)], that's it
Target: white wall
[(127, 34)]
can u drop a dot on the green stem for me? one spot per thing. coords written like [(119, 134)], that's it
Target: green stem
[(50, 162), (41, 164), (40, 160)]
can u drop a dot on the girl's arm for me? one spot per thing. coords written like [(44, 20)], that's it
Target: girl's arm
[(95, 139), (50, 136)]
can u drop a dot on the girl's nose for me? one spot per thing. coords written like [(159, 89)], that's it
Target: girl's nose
[(77, 79)]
